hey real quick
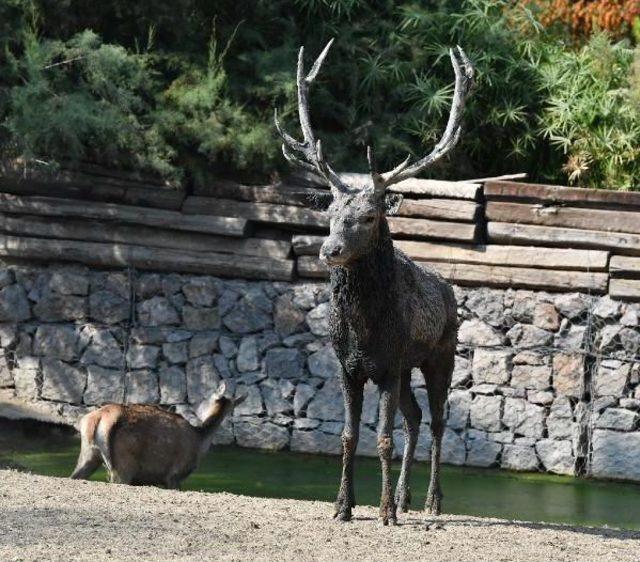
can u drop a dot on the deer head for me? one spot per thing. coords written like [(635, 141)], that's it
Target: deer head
[(357, 210)]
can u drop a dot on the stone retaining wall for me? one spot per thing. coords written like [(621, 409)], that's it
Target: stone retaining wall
[(542, 381)]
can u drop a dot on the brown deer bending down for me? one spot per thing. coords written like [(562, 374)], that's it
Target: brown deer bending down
[(146, 445), (388, 314)]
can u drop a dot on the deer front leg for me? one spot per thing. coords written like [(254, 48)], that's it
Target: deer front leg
[(389, 393), (352, 393)]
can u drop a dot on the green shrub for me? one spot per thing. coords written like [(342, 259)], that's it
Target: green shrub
[(158, 94), (589, 113)]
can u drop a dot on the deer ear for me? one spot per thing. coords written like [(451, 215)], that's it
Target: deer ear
[(392, 202), (239, 400), (320, 201)]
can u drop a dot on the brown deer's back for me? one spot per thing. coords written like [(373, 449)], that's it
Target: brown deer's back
[(152, 444)]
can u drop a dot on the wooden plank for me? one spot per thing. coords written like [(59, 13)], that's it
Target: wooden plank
[(261, 212), (281, 194), (443, 209), (422, 187), (510, 256), (59, 207), (558, 194), (571, 217), (624, 266), (423, 228), (491, 276), (306, 244), (94, 231), (509, 233), (162, 198), (627, 289), (309, 266), (142, 257), (522, 277)]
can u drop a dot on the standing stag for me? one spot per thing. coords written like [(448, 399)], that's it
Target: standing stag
[(388, 315)]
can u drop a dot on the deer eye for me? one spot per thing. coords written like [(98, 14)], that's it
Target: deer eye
[(369, 219)]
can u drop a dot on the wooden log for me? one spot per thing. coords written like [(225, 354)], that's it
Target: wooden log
[(306, 244), (421, 187), (522, 277), (570, 217), (624, 266), (501, 190), (509, 233), (281, 194), (509, 256), (627, 289), (423, 228), (442, 209), (142, 257), (261, 212), (492, 276), (96, 190), (75, 229), (309, 266), (59, 207)]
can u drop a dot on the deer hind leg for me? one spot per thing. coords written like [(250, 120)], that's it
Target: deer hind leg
[(88, 461), (89, 458), (437, 373), (389, 395), (412, 418)]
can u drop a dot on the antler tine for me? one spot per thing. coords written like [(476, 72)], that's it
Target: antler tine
[(464, 81), (310, 148)]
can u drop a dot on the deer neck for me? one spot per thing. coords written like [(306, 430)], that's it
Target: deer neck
[(209, 426), (370, 276)]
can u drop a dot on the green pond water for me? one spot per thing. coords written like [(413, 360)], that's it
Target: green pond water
[(482, 492)]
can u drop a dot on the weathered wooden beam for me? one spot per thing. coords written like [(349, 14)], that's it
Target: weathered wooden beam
[(626, 289), (424, 228), (442, 209), (429, 188), (59, 207), (509, 256), (309, 266), (260, 212), (571, 217), (522, 277), (143, 257), (95, 231), (281, 194), (306, 244), (96, 190), (509, 233), (494, 190), (492, 276), (624, 266)]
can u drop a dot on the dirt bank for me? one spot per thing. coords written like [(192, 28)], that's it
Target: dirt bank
[(43, 518)]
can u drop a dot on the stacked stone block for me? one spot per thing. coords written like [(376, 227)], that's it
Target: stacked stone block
[(542, 381)]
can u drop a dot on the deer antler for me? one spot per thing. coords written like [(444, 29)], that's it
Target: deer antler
[(464, 82), (310, 149)]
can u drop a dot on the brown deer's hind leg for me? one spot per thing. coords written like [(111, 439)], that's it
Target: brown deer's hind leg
[(88, 461), (389, 395), (437, 374), (412, 418)]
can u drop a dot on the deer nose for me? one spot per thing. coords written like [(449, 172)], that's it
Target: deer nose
[(331, 251)]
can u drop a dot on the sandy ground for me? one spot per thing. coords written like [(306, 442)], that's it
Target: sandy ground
[(43, 518)]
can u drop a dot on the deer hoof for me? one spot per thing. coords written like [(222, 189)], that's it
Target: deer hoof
[(343, 514)]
